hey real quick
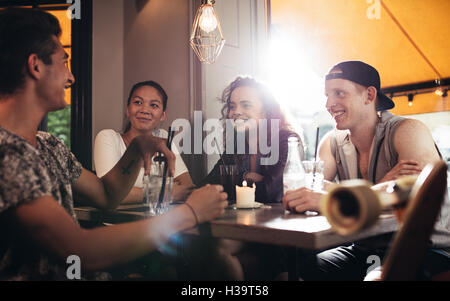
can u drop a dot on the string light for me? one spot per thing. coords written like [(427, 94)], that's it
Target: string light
[(439, 92), (410, 99)]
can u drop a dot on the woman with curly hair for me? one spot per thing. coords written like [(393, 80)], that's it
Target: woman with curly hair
[(246, 103)]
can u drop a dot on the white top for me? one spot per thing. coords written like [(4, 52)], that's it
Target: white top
[(109, 147)]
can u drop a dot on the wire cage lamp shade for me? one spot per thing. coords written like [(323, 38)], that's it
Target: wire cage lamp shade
[(206, 38)]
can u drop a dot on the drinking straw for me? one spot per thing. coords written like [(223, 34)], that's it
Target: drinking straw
[(158, 159), (220, 154), (169, 146), (146, 183), (235, 147), (315, 156)]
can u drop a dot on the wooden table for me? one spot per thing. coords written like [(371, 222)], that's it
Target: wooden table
[(269, 224)]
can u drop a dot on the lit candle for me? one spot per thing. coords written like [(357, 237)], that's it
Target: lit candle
[(245, 196)]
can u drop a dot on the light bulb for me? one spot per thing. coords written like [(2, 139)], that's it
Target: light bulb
[(410, 99), (208, 21), (206, 37), (439, 92)]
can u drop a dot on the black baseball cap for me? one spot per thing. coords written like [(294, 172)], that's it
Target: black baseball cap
[(365, 75)]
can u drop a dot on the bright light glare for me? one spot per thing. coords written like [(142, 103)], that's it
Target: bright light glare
[(439, 92), (293, 81), (296, 85)]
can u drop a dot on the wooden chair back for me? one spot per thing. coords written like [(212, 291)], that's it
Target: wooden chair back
[(412, 239)]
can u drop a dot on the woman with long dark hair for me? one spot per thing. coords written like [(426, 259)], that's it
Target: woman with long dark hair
[(146, 110)]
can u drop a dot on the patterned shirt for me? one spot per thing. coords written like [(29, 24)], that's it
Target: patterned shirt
[(27, 173)]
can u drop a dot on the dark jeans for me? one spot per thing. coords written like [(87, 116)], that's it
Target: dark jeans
[(209, 259), (351, 263), (262, 262)]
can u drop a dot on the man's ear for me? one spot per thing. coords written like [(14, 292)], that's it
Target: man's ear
[(371, 94), (34, 66)]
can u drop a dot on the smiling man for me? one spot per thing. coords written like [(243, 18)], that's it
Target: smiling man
[(40, 177), (368, 143)]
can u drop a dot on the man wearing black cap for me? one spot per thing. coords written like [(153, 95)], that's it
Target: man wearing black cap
[(368, 143)]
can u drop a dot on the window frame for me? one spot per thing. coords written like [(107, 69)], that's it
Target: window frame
[(81, 67)]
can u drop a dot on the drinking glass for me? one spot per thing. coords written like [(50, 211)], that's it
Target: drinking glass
[(313, 174), (155, 196), (228, 179)]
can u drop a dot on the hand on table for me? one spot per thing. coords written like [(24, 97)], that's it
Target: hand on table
[(253, 177), (301, 200), (208, 202)]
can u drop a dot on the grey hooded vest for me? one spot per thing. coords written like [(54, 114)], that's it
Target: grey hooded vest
[(383, 157)]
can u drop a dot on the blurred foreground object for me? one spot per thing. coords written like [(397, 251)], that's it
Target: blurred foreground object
[(355, 204)]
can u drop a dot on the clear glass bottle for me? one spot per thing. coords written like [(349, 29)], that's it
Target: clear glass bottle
[(294, 173)]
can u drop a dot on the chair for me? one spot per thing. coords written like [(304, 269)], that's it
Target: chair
[(412, 239)]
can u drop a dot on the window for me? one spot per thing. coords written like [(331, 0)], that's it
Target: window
[(59, 122), (73, 125)]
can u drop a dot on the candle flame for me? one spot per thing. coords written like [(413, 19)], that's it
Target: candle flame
[(244, 184)]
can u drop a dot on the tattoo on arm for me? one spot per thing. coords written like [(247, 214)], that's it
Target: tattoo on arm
[(126, 170)]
